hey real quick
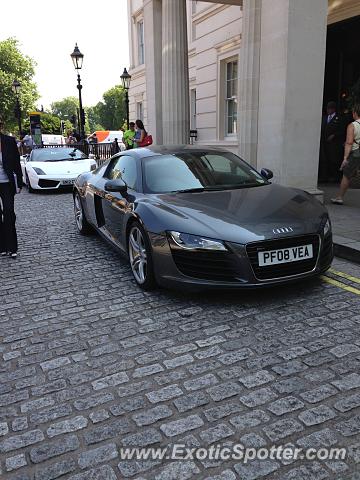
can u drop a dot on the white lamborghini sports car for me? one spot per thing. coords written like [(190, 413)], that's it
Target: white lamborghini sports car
[(54, 168)]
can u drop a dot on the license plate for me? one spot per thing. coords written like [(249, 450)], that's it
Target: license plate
[(67, 182), (285, 255)]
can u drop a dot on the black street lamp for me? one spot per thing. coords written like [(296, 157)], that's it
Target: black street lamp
[(125, 79), (77, 58), (16, 86)]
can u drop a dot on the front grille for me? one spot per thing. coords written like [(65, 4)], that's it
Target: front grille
[(44, 183), (217, 266), (283, 269)]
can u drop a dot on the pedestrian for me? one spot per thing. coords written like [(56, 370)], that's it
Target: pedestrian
[(93, 138), (140, 133), (11, 182), (351, 162), (76, 135), (332, 139), (116, 146), (128, 136), (28, 143), (70, 140)]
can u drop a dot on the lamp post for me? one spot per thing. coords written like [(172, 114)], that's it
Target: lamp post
[(125, 79), (77, 58), (16, 89)]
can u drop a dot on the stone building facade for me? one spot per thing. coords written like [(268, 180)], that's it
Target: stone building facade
[(246, 74)]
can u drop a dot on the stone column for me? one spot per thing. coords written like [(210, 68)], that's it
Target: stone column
[(153, 61), (249, 72), (293, 46), (175, 73)]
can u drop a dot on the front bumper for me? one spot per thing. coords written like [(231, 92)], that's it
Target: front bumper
[(237, 270), (45, 182)]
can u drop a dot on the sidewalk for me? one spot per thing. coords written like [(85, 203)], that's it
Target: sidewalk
[(345, 222)]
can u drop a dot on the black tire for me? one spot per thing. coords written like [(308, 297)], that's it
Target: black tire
[(82, 224), (140, 257), (28, 184)]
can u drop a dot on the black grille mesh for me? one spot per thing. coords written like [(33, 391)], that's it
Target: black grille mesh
[(283, 269)]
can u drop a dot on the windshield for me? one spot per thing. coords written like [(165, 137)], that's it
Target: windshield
[(56, 154), (198, 171)]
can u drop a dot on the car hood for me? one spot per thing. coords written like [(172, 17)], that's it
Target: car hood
[(66, 167), (240, 215)]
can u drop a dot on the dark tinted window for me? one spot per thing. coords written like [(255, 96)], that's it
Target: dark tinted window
[(124, 167), (198, 170), (56, 154)]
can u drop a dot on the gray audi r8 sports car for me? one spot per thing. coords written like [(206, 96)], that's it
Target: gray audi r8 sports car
[(203, 217)]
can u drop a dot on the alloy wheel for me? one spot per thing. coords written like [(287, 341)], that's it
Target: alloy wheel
[(78, 212), (138, 255)]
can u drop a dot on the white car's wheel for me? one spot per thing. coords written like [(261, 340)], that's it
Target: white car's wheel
[(28, 184)]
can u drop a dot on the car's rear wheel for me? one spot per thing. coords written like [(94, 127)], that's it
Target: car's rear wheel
[(140, 257), (30, 189), (82, 224)]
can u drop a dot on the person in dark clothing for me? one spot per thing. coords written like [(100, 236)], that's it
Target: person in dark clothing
[(332, 143), (11, 182), (76, 135)]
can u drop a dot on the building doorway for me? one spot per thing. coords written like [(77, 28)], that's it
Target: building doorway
[(342, 70)]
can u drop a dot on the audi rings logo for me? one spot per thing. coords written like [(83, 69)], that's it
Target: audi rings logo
[(283, 230)]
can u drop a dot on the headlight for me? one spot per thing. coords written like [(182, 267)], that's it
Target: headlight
[(39, 171), (193, 242), (93, 167), (327, 227)]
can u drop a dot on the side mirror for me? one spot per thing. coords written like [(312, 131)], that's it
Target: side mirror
[(116, 186), (266, 173)]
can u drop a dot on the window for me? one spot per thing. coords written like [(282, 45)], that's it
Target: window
[(140, 37), (56, 154), (198, 170), (139, 111), (231, 81), (124, 167)]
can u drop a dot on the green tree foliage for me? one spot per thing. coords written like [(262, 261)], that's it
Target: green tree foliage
[(15, 65), (109, 114), (94, 119), (111, 111), (65, 108), (49, 124)]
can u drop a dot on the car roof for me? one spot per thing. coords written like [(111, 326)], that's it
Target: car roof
[(155, 150)]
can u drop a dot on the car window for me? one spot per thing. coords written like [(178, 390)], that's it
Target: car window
[(124, 167), (219, 163), (198, 170), (56, 154)]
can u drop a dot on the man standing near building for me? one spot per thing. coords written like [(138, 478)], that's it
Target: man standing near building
[(10, 183), (128, 137), (28, 143), (332, 140)]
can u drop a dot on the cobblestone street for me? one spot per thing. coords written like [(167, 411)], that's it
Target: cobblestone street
[(90, 364)]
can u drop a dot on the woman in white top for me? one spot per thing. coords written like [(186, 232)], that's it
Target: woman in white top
[(351, 162)]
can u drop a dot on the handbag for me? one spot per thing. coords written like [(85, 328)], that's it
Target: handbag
[(148, 140)]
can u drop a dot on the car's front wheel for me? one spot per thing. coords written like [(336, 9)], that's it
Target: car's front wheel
[(82, 224), (28, 184), (140, 257)]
